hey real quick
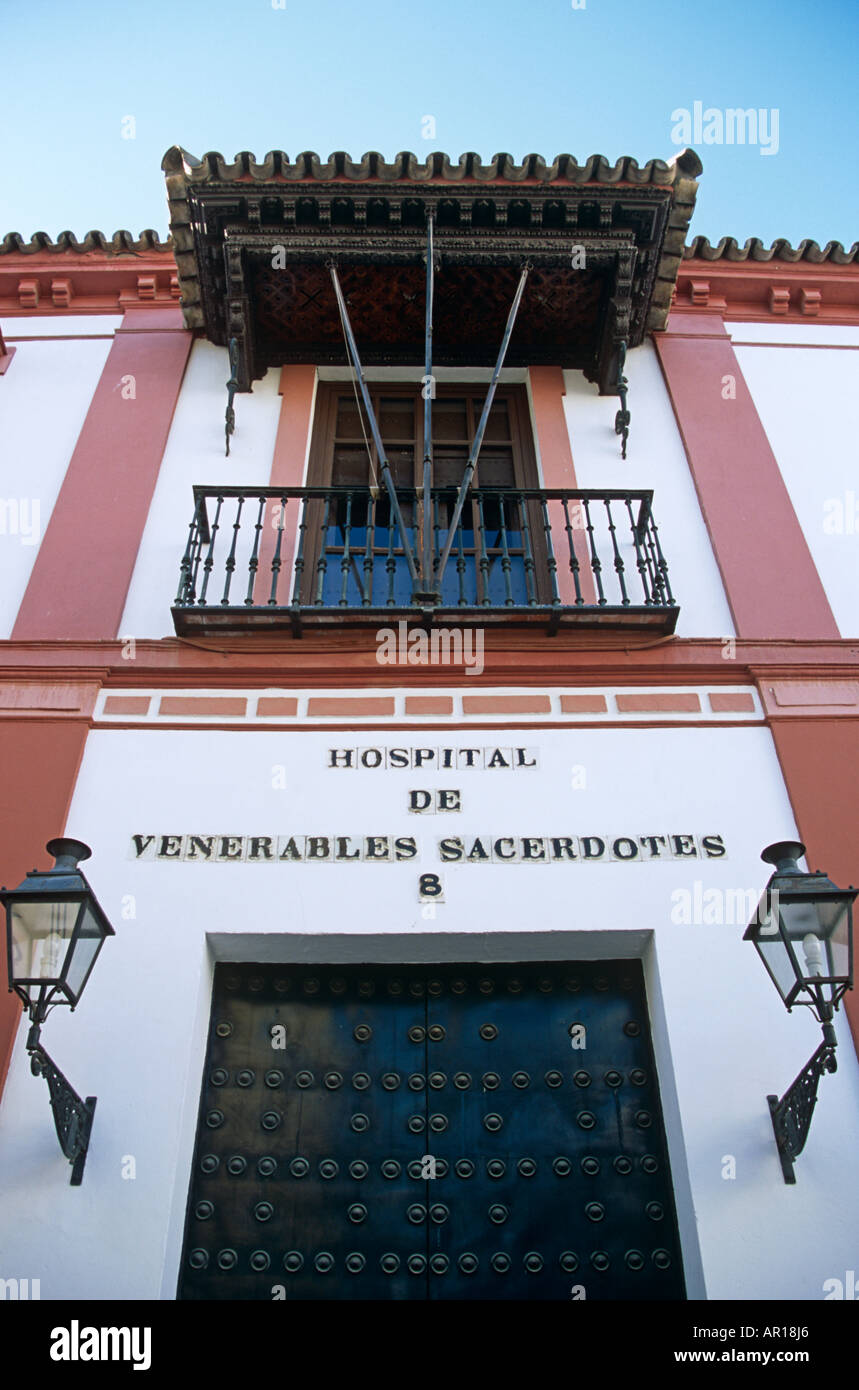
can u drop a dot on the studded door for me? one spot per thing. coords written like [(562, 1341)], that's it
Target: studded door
[(454, 1132)]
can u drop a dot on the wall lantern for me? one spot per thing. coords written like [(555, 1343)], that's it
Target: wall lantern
[(55, 929), (803, 932)]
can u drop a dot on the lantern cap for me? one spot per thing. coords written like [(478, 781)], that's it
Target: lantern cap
[(67, 854), (783, 855)]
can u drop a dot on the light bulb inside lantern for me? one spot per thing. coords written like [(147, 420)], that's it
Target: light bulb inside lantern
[(813, 952)]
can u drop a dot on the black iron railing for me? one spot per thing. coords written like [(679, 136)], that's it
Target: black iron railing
[(288, 556)]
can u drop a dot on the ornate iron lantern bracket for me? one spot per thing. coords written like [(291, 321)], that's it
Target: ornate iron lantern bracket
[(72, 1116), (622, 418), (791, 1116), (55, 929), (232, 388), (803, 932)]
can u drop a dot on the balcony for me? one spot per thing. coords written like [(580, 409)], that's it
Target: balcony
[(290, 558)]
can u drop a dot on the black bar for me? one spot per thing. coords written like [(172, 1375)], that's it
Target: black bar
[(428, 384), (371, 416), (478, 438)]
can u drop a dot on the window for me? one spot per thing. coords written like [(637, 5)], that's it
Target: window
[(500, 536)]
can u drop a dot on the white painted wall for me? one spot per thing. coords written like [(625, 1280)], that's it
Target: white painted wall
[(44, 397), (655, 459), (195, 454), (723, 1039), (803, 381), (61, 326)]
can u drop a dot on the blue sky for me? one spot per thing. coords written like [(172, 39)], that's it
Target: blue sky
[(230, 75)]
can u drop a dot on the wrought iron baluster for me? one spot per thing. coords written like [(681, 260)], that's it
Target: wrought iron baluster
[(391, 563), (618, 558), (666, 596), (253, 562), (506, 566), (436, 533), (530, 576), (210, 554), (596, 563), (640, 557), (652, 570), (415, 532), (645, 540), (369, 548), (195, 562), (322, 562), (652, 565), (231, 558), (185, 594), (462, 601), (299, 558), (276, 560), (550, 554), (571, 545), (486, 599), (346, 557)]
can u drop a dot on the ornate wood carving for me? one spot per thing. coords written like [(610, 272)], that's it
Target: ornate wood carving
[(262, 234)]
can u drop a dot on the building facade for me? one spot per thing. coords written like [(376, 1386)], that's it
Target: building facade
[(429, 824)]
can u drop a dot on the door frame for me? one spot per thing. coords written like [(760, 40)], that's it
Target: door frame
[(427, 948)]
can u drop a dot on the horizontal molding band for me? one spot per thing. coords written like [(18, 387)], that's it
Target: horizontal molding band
[(614, 705)]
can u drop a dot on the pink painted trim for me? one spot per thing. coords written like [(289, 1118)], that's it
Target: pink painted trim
[(583, 704), (722, 702), (819, 758), (40, 766), (127, 704), (429, 704), (648, 703), (506, 704), (80, 579), (297, 384), (771, 583), (270, 705), (547, 397), (202, 705), (325, 705)]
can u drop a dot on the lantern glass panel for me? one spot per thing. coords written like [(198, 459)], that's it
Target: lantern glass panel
[(41, 932), (776, 958), (820, 935), (90, 937)]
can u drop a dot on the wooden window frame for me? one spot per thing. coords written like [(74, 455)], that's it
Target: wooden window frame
[(525, 469), (521, 446)]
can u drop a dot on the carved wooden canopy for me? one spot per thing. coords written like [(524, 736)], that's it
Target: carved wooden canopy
[(253, 242)]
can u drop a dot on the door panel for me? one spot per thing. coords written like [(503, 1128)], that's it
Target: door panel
[(312, 1173), (570, 1182)]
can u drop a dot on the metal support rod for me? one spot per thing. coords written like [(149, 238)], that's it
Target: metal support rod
[(623, 417), (72, 1116), (232, 388), (427, 563), (791, 1116), (374, 428), (478, 438)]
